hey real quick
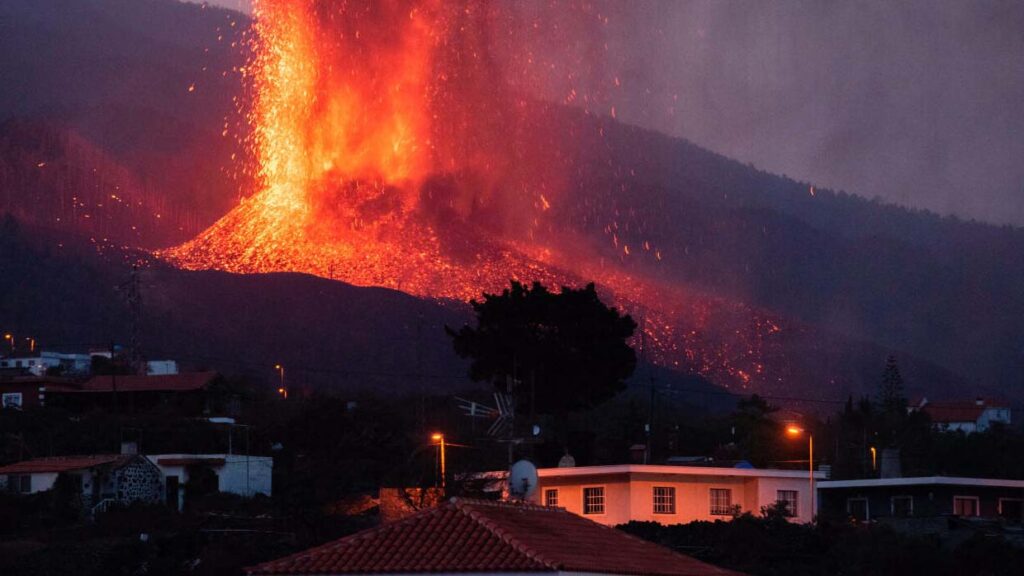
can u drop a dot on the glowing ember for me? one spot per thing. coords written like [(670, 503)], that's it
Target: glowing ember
[(392, 152)]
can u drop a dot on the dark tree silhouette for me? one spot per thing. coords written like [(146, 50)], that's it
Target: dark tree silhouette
[(890, 393), (569, 350)]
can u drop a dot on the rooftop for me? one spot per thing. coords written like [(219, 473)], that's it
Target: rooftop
[(184, 382), (59, 464), (483, 536), (675, 470), (921, 481)]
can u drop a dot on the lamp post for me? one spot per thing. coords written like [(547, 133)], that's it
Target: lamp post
[(795, 432), (439, 438), (282, 390), (31, 344), (874, 459), (11, 338)]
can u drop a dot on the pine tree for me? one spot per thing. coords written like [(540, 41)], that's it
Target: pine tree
[(890, 394)]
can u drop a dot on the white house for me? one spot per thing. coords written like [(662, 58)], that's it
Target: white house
[(236, 473), (967, 416), (672, 494), (101, 479), (39, 364)]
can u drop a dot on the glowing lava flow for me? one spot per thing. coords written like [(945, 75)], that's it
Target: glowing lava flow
[(390, 155)]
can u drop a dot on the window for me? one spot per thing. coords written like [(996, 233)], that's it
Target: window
[(858, 509), (1011, 509), (593, 500), (902, 506), (19, 484), (790, 499), (551, 497), (966, 506), (721, 501), (664, 500), (11, 400)]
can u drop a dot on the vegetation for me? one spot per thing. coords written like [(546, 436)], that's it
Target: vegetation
[(767, 545), (569, 350)]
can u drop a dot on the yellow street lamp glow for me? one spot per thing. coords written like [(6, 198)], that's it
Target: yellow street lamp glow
[(436, 436)]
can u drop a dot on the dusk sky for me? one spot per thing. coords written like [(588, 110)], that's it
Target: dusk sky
[(915, 102)]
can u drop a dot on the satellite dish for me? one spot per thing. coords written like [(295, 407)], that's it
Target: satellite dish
[(522, 479)]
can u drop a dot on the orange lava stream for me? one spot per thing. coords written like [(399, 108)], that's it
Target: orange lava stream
[(365, 139)]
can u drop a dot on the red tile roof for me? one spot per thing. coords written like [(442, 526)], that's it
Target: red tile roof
[(946, 412), (164, 383), (480, 536), (61, 464)]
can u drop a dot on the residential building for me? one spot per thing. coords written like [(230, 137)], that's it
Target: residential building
[(27, 392), (39, 364), (922, 497), (967, 416), (102, 479), (236, 474), (618, 494), (190, 392), (467, 537)]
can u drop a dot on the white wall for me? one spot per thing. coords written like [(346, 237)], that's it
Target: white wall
[(231, 476), (630, 496)]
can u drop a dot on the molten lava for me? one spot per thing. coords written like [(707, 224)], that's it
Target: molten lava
[(394, 147)]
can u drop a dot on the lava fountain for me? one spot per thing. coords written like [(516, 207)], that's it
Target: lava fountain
[(394, 146)]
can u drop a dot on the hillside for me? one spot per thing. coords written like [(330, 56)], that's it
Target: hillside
[(852, 279)]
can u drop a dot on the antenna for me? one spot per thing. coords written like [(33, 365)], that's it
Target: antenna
[(522, 480)]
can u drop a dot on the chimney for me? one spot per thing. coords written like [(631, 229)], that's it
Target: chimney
[(891, 463), (129, 448), (636, 453)]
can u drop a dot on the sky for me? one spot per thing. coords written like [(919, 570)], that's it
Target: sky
[(917, 102)]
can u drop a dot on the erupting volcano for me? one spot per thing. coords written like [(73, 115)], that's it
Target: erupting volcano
[(398, 145)]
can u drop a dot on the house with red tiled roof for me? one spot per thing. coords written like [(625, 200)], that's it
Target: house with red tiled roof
[(964, 415), (101, 479), (484, 537), (188, 392)]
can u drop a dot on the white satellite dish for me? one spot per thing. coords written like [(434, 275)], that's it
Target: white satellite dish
[(522, 480)]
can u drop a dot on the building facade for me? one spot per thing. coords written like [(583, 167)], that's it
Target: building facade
[(101, 479), (965, 416), (923, 497), (618, 494), (236, 474)]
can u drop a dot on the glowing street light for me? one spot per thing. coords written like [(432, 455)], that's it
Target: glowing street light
[(282, 389), (11, 338), (794, 431), (439, 439), (31, 344), (874, 459)]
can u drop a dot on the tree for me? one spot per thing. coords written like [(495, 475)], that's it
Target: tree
[(569, 349), (890, 393)]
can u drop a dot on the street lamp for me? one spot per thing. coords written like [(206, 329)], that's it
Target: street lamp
[(874, 459), (794, 431), (282, 390), (11, 338), (31, 344), (439, 438)]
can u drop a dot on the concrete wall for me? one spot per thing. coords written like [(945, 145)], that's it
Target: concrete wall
[(630, 497), (240, 474)]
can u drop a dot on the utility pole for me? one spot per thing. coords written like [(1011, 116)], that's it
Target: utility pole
[(650, 412)]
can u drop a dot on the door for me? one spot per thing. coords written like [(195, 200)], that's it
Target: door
[(171, 492)]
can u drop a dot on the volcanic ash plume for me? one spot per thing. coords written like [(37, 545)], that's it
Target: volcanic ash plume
[(394, 147)]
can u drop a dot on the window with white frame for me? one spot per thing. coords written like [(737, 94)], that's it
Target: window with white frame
[(721, 501), (858, 509), (1011, 509), (901, 506), (551, 497), (664, 500), (593, 500), (789, 499), (966, 506)]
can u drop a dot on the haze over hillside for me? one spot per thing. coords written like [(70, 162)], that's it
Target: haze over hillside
[(849, 279)]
